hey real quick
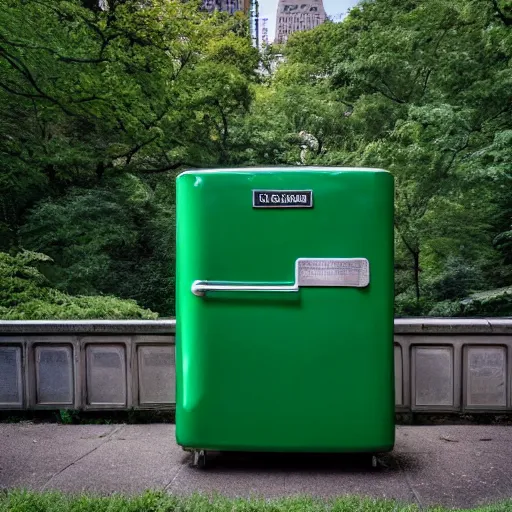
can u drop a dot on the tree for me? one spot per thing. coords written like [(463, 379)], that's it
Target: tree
[(116, 239), (87, 93), (99, 109), (424, 91)]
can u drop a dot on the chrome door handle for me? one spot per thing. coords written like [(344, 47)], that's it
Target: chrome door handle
[(339, 272), (199, 288)]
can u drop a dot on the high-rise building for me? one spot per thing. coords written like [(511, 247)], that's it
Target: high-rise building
[(230, 6), (295, 15)]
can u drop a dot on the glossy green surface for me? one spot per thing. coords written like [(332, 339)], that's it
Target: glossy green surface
[(306, 371)]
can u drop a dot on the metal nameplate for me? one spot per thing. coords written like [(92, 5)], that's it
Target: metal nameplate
[(351, 272), (282, 199)]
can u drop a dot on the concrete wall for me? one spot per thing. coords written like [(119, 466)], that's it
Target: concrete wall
[(441, 365)]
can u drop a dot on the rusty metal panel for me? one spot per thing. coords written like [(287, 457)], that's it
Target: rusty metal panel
[(54, 374), (485, 377), (11, 377), (156, 375), (106, 379), (432, 377)]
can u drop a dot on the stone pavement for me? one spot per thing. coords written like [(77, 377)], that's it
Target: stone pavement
[(455, 466)]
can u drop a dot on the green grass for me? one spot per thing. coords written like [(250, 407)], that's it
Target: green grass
[(153, 501)]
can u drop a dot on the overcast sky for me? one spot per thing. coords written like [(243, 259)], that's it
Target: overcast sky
[(332, 7)]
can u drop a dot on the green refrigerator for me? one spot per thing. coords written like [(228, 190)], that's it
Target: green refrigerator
[(284, 310)]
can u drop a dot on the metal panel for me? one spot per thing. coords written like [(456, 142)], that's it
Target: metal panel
[(106, 375), (438, 362), (433, 377), (11, 383), (485, 377), (156, 369), (398, 375), (54, 374)]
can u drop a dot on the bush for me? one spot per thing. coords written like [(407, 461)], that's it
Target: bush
[(406, 305), (447, 308), (115, 239), (457, 280), (26, 295), (489, 303)]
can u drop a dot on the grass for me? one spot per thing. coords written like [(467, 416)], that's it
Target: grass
[(159, 501)]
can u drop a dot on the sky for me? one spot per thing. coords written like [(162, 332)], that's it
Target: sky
[(332, 7)]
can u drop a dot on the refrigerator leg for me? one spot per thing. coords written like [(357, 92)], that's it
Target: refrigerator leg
[(199, 459)]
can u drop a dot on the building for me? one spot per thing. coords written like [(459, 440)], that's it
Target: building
[(249, 7), (295, 15), (230, 6)]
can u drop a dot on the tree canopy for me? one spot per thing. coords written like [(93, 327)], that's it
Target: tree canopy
[(421, 89), (100, 108)]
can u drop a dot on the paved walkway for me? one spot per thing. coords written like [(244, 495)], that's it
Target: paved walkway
[(451, 465)]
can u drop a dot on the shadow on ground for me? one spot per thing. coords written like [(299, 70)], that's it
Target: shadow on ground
[(361, 463)]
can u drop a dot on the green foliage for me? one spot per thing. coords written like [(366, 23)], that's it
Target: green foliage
[(87, 93), (489, 303), (482, 304), (457, 279), (116, 238), (100, 109), (100, 91), (420, 89), (68, 416), (160, 501), (25, 294)]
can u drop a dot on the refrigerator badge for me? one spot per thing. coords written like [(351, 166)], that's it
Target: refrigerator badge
[(282, 199)]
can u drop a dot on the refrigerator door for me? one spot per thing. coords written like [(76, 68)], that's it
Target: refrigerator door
[(285, 310)]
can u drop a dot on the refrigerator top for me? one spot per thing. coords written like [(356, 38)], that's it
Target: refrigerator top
[(304, 168)]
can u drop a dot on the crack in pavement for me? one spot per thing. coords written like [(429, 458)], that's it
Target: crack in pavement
[(106, 439), (184, 463), (166, 488), (409, 484)]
